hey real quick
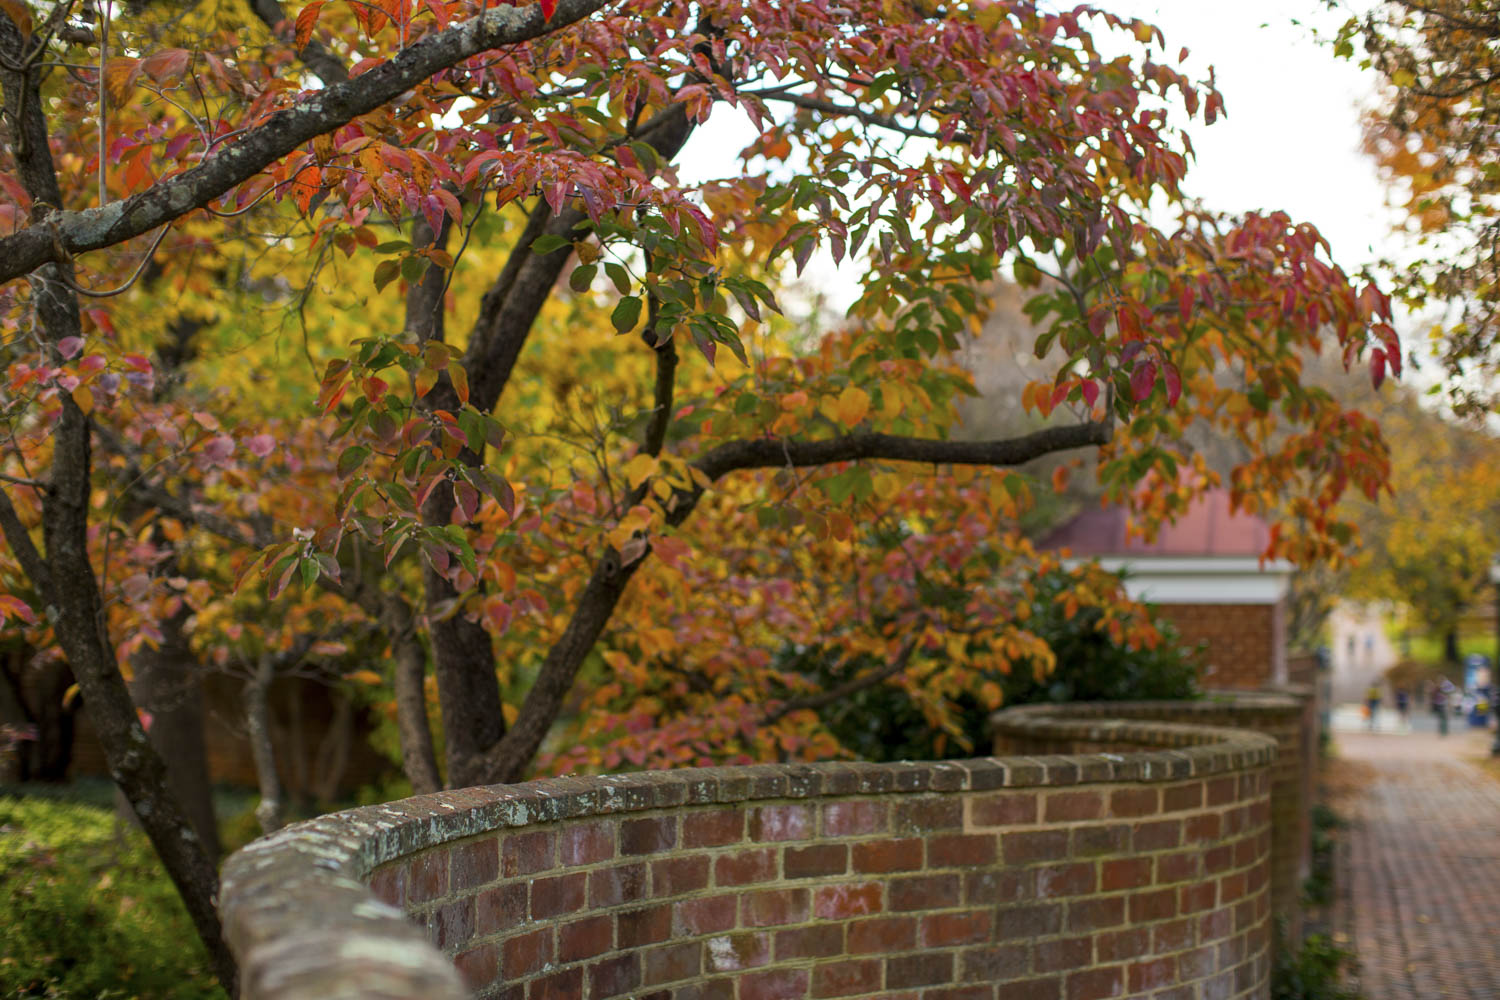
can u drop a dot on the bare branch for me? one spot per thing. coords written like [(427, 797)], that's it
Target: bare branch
[(21, 544), (844, 690)]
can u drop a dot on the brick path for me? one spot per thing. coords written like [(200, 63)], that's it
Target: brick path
[(1419, 869)]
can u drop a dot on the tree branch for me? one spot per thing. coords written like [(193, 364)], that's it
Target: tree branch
[(666, 379), (64, 233), (844, 690), (20, 542), (314, 54)]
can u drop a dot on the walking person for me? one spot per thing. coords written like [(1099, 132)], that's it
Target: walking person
[(1403, 706), (1440, 708), (1372, 704)]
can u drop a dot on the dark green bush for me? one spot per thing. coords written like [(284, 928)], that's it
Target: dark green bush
[(86, 911), (882, 723), (1313, 972)]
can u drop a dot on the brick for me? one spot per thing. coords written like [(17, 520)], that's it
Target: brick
[(776, 984), (985, 992), (585, 938), (1070, 807), (1215, 925), (1064, 954), (551, 897), (1134, 802), (1033, 846), (1198, 829), (902, 855), (1097, 841), (783, 822), (428, 876), (499, 908), (648, 925), (1155, 974), (1006, 885), (526, 954), (923, 892), (925, 969), (944, 930), (1001, 964), (1032, 921), (1170, 937), (1160, 904), (713, 828), (586, 843), (615, 976), (713, 989), (1094, 914), (846, 978), (388, 883), (620, 884), (817, 860), (1220, 791), (855, 818), (926, 813), (455, 924), (1126, 873), (675, 876), (1005, 809), (958, 850), (564, 984), (1119, 946), (1055, 881), (1096, 984), (1194, 898), (1176, 798), (1158, 836), (879, 935), (747, 866), (774, 906), (1178, 867), (671, 963), (816, 941), (734, 952), (648, 836), (478, 966), (527, 853), (1218, 859), (848, 899), (707, 915), (473, 864), (1049, 988)]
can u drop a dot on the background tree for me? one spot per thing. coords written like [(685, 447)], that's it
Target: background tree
[(1433, 136), (468, 162)]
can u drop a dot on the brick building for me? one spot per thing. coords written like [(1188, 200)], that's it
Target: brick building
[(1205, 575)]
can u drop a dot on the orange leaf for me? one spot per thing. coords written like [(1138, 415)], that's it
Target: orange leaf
[(460, 380), (166, 65), (306, 19), (18, 14)]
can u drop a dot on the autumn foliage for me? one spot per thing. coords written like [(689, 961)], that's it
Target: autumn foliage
[(399, 323)]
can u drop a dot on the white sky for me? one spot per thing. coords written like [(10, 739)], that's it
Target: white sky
[(1289, 139)]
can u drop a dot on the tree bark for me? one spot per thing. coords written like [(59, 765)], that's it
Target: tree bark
[(65, 576), (271, 810)]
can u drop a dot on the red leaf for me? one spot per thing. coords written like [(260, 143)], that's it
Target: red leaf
[(1377, 367), (1143, 380), (1090, 392), (1173, 379), (17, 607), (548, 6), (306, 19)]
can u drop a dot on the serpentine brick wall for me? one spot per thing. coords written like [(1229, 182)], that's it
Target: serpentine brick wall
[(1138, 869), (1288, 716)]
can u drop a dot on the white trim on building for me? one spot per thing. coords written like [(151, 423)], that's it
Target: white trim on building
[(1202, 579)]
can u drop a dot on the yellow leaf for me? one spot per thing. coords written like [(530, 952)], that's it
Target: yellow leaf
[(853, 406), (84, 398), (640, 468), (70, 696), (364, 677)]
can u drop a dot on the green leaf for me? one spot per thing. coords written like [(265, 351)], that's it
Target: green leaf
[(386, 272), (582, 277), (627, 313), (548, 242), (619, 276), (352, 459)]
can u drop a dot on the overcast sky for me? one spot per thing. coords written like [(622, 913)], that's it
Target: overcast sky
[(1289, 139)]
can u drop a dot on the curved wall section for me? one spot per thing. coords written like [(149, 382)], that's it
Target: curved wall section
[(1140, 869)]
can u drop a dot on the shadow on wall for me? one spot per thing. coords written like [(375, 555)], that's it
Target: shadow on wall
[(1139, 862)]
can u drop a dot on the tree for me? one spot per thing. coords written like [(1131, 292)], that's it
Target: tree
[(1433, 138), (468, 161)]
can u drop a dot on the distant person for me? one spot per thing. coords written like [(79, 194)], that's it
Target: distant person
[(1403, 705), (1372, 703), (1440, 708)]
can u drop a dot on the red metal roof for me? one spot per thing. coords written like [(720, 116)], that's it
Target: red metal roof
[(1208, 528)]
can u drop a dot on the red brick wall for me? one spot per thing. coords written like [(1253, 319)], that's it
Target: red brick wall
[(1245, 641)]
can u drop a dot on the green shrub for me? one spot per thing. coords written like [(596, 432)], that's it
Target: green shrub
[(1313, 972), (87, 912), (882, 723)]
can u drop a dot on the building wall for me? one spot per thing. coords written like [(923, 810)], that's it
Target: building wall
[(1144, 872), (1246, 642)]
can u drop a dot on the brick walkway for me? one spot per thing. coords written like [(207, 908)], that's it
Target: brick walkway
[(1419, 869)]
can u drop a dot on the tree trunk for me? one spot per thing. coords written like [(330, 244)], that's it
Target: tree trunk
[(270, 813), (169, 685), (333, 751), (418, 759), (1450, 646)]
